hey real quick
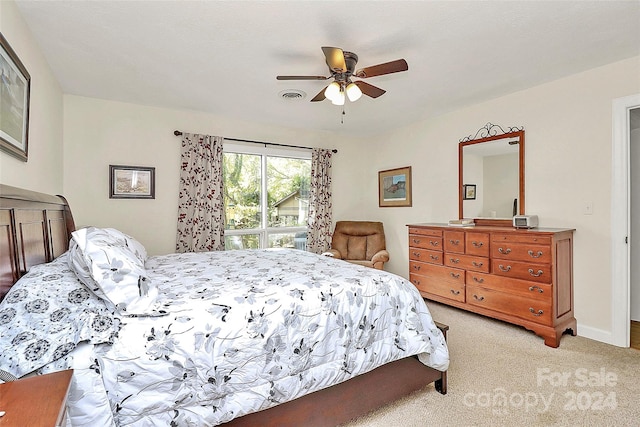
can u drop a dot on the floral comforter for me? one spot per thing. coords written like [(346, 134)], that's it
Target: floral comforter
[(246, 330), (234, 332)]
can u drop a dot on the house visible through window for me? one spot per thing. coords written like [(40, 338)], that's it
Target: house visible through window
[(266, 197)]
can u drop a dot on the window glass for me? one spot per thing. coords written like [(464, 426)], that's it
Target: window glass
[(242, 190), (266, 199), (293, 240), (288, 191), (242, 241)]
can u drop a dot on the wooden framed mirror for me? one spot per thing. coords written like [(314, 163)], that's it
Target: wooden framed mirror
[(491, 175)]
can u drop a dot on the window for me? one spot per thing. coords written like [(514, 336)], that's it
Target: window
[(266, 197)]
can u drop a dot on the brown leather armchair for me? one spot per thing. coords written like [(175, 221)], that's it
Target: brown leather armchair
[(359, 242)]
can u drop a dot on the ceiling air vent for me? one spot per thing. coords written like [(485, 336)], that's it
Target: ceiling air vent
[(292, 94)]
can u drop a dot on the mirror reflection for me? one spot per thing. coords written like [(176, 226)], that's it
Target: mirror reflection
[(491, 176)]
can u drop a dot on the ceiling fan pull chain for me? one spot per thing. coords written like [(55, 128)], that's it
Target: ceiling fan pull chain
[(343, 114)]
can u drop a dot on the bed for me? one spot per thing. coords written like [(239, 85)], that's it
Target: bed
[(164, 355)]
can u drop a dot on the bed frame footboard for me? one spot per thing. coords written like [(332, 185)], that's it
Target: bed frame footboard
[(348, 400), (353, 398)]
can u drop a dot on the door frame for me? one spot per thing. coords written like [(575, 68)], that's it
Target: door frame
[(620, 220)]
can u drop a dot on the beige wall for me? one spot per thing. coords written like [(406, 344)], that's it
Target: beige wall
[(43, 170), (568, 163), (100, 133)]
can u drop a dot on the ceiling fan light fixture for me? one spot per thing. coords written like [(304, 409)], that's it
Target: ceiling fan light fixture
[(353, 92), (338, 99), (332, 91)]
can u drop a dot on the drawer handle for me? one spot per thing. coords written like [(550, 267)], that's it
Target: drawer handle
[(454, 242), (455, 275), (507, 268), (477, 244), (478, 280), (434, 257), (416, 281), (477, 264), (416, 241), (537, 274), (416, 267), (477, 298), (455, 292), (454, 260), (436, 243), (538, 313), (416, 254), (534, 255), (504, 251), (533, 288)]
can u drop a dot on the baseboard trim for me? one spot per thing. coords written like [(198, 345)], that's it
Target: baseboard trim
[(596, 334)]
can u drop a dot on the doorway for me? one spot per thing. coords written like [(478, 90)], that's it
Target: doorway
[(625, 120), (634, 216)]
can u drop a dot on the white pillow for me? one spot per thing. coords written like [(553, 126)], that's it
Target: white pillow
[(111, 264), (113, 237)]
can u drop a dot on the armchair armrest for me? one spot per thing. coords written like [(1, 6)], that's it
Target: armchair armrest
[(333, 253), (379, 259), (380, 256)]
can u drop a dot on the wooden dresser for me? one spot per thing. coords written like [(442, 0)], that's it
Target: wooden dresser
[(521, 276)]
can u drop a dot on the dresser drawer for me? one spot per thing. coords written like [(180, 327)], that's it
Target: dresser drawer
[(476, 244), (534, 239), (432, 285), (521, 252), (524, 288), (425, 255), (425, 242), (516, 305), (425, 231), (420, 267), (522, 270), (442, 273), (454, 241), (466, 262)]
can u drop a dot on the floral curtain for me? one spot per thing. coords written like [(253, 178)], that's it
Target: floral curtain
[(320, 205), (200, 202)]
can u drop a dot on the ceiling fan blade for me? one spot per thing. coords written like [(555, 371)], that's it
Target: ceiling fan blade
[(320, 96), (301, 78), (369, 90), (380, 69), (335, 59)]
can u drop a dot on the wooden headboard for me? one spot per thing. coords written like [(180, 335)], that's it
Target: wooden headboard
[(34, 228)]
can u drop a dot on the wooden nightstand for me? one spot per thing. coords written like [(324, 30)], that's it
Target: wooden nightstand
[(35, 401)]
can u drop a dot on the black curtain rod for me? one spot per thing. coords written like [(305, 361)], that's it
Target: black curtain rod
[(178, 133)]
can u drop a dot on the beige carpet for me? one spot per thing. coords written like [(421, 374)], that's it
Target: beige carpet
[(503, 375)]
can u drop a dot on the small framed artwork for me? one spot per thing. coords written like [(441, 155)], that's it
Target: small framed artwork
[(469, 192), (15, 84), (394, 187), (132, 182)]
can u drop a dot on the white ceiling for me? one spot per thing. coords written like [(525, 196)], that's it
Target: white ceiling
[(222, 57)]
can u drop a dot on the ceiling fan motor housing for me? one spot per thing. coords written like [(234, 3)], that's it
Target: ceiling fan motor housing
[(342, 65), (351, 59)]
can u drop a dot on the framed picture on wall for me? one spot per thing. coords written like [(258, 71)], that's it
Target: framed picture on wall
[(394, 187), (469, 192), (15, 83), (132, 182)]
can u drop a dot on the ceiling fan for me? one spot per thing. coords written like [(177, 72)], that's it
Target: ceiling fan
[(342, 66)]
